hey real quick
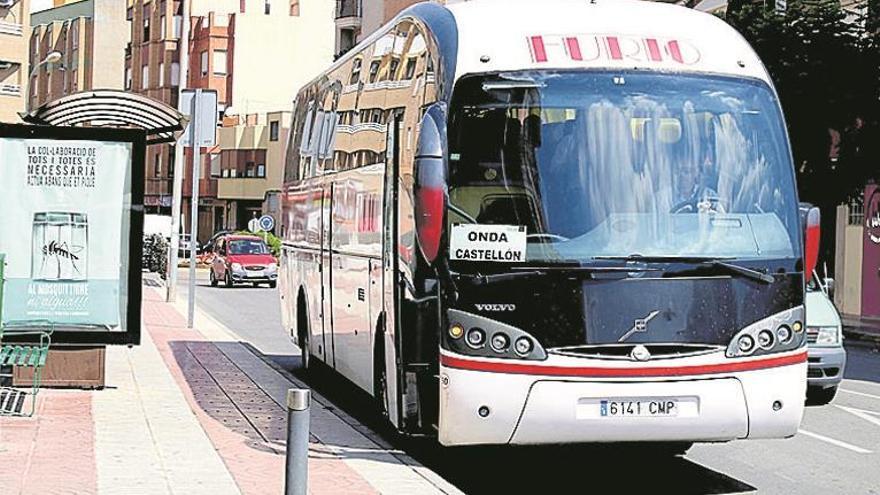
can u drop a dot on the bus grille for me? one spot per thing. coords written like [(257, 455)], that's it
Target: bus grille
[(624, 351)]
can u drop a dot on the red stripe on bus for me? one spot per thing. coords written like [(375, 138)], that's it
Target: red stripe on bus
[(538, 49), (653, 49), (614, 48), (703, 369), (574, 48), (675, 51)]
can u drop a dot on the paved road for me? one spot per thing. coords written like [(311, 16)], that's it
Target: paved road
[(838, 450)]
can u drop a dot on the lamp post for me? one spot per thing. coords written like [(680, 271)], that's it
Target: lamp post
[(52, 57)]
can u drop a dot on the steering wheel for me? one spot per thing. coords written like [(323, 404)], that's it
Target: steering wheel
[(547, 235), (707, 204)]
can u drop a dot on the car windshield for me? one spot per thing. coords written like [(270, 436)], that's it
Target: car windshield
[(247, 246), (609, 164)]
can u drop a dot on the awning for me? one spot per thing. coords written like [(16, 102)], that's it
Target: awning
[(112, 108)]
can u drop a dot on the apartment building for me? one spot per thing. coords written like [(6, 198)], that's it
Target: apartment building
[(255, 53), (248, 163), (14, 67), (91, 36), (357, 19)]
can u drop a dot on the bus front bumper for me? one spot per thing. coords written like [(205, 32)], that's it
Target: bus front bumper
[(485, 407)]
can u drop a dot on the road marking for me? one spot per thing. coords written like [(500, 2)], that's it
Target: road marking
[(848, 446), (859, 393), (862, 413)]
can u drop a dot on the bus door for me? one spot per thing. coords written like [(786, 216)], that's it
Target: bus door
[(326, 268), (390, 267)]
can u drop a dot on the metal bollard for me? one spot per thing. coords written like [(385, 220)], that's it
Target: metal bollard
[(296, 480)]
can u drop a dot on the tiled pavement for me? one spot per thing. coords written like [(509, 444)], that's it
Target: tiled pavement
[(190, 411)]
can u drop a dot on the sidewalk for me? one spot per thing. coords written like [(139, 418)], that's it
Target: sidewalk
[(191, 411)]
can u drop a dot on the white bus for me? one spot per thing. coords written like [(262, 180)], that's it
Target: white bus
[(523, 222)]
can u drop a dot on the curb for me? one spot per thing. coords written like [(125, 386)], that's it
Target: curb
[(865, 338)]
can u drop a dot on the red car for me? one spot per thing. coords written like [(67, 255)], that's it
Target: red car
[(243, 259)]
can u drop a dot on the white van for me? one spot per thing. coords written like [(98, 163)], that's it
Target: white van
[(826, 357)]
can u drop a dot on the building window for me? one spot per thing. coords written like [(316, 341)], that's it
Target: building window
[(175, 74), (355, 71), (267, 7), (374, 70), (161, 73), (233, 173), (204, 63), (392, 69), (261, 170), (74, 34), (128, 78), (410, 68), (273, 130), (294, 8), (146, 23), (215, 165), (219, 62), (157, 165), (145, 76), (170, 161), (162, 27), (249, 169), (178, 26)]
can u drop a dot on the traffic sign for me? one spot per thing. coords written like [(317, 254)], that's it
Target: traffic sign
[(267, 223), (254, 225)]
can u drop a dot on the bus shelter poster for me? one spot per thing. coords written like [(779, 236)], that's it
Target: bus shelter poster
[(61, 229)]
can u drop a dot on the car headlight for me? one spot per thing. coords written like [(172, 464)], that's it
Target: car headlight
[(828, 336), (236, 267), (271, 267)]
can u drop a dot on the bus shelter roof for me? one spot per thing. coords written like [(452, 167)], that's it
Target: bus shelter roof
[(112, 108)]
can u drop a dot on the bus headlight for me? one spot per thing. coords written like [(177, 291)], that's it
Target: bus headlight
[(476, 338), (523, 346), (765, 339), (783, 333), (828, 336), (500, 342), (746, 344)]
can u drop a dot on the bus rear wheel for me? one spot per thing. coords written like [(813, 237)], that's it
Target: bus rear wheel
[(380, 376), (302, 333)]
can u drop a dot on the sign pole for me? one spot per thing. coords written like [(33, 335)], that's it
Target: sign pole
[(196, 141), (180, 165)]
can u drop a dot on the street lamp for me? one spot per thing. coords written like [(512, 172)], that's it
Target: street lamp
[(51, 58)]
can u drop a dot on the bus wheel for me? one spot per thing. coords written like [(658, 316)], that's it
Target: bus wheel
[(302, 333), (380, 376)]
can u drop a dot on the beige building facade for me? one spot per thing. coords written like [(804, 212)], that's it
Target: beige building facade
[(15, 27), (255, 53), (91, 36)]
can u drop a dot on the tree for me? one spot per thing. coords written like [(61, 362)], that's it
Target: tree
[(824, 64)]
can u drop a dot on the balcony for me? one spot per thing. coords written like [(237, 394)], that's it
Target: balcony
[(348, 13), (158, 187), (11, 28)]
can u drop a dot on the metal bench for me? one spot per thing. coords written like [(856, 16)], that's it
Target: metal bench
[(13, 401)]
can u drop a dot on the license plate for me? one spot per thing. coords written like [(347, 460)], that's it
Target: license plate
[(255, 274), (638, 407)]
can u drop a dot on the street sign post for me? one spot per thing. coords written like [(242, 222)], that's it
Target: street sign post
[(254, 225), (267, 223), (201, 131)]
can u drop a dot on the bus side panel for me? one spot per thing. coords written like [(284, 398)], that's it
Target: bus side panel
[(356, 241)]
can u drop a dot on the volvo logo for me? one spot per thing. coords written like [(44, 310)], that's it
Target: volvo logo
[(639, 326), (640, 353), (496, 307)]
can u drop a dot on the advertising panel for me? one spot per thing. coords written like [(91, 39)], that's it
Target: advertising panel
[(67, 225)]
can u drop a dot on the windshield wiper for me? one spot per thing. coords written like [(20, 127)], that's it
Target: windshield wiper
[(537, 271), (713, 261)]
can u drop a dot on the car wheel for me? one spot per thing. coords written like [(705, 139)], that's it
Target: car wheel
[(229, 282), (213, 278), (820, 396), (272, 284)]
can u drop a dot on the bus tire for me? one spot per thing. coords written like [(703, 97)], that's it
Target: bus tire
[(302, 331), (380, 375)]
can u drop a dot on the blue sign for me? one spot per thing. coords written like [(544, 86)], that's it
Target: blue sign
[(267, 223)]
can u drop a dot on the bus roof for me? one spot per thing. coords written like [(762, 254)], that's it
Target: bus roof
[(499, 35)]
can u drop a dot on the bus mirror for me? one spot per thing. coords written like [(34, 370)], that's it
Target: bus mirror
[(429, 188), (811, 241)]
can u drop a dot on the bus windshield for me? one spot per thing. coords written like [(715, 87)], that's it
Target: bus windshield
[(597, 164)]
